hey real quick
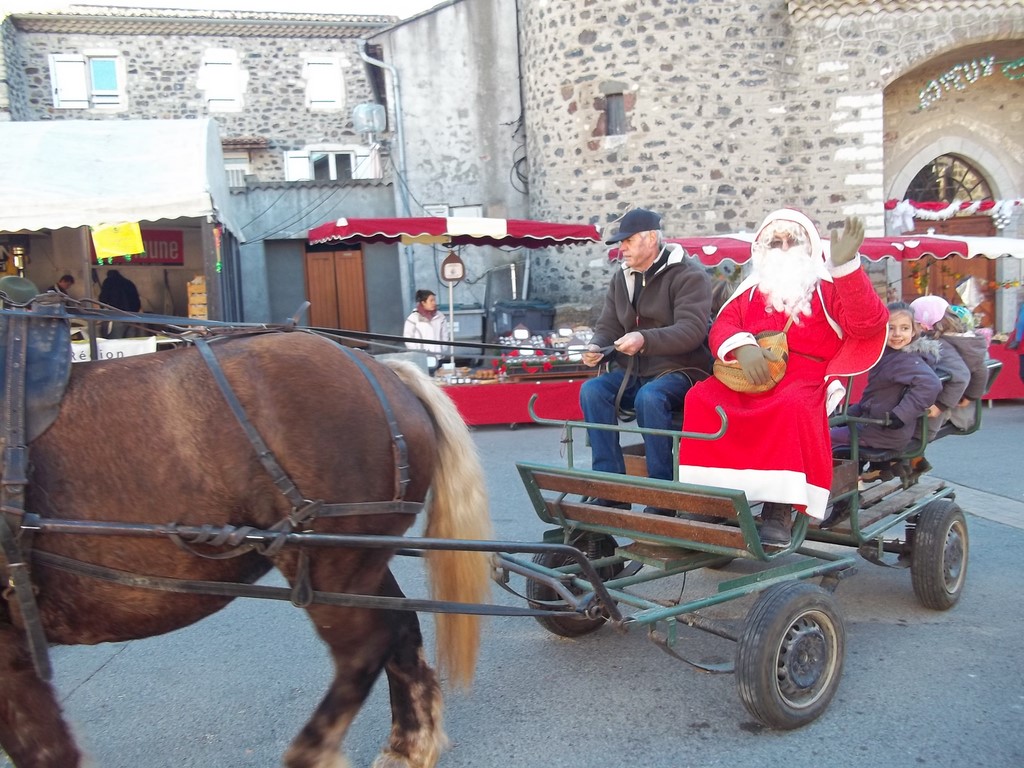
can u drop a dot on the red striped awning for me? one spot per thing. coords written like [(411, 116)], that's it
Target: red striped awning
[(713, 250), (454, 231)]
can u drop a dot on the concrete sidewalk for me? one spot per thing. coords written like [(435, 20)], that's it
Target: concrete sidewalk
[(990, 506)]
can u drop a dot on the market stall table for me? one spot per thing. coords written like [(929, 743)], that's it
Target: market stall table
[(1007, 385), (506, 402)]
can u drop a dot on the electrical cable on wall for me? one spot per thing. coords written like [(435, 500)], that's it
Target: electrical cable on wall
[(306, 212)]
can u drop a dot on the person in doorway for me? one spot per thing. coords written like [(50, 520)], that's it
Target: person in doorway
[(63, 285), (776, 446), (1015, 339), (119, 292), (426, 322), (653, 328)]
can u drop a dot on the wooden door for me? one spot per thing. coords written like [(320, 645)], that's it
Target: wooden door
[(940, 277), (335, 287)]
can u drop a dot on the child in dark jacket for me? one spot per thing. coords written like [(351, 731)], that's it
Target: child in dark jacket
[(900, 387), (962, 357)]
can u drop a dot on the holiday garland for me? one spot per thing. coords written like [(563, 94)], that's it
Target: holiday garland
[(999, 210)]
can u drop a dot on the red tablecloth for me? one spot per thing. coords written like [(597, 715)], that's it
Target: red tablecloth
[(506, 403), (1007, 386)]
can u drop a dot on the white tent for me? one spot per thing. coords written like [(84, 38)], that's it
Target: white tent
[(74, 173)]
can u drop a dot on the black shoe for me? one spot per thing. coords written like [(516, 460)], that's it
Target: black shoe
[(840, 511), (609, 503), (776, 524), (660, 511)]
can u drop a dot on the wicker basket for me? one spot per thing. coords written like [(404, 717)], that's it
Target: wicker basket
[(731, 374)]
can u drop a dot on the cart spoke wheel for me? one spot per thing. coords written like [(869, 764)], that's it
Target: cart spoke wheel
[(938, 566), (541, 596), (790, 655)]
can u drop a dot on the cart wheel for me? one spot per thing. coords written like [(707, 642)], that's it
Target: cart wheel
[(790, 655), (938, 565), (572, 624)]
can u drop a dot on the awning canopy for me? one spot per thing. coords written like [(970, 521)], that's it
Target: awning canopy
[(520, 233), (713, 250), (74, 173)]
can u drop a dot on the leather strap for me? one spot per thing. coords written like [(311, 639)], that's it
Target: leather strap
[(12, 494)]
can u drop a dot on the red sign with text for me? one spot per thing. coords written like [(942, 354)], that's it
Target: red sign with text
[(163, 247)]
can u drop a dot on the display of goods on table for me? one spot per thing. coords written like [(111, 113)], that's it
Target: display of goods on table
[(551, 354)]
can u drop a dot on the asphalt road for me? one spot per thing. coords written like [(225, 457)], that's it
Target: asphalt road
[(938, 689)]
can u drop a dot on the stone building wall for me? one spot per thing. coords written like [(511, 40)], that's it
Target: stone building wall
[(733, 109), (463, 131), (162, 72)]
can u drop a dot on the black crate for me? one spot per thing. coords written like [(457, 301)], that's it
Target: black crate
[(538, 316)]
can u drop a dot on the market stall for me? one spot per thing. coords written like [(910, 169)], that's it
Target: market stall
[(497, 394)]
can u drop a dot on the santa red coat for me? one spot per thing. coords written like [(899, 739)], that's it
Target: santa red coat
[(776, 446)]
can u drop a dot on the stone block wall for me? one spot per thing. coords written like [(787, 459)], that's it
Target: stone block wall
[(733, 109), (162, 73)]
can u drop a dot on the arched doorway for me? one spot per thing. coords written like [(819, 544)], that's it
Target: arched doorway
[(947, 179)]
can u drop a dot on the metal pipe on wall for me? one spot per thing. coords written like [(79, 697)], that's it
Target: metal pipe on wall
[(403, 189)]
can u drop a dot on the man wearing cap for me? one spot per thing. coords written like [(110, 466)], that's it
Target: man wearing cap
[(653, 329), (776, 447)]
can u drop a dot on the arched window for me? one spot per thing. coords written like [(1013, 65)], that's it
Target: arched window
[(948, 178)]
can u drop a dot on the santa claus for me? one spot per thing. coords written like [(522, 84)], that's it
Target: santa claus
[(776, 447)]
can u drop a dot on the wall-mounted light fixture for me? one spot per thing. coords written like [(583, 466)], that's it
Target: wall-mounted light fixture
[(14, 249)]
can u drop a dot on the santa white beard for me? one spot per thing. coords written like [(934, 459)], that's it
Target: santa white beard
[(787, 279)]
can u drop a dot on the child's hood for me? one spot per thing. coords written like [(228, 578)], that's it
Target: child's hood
[(929, 349)]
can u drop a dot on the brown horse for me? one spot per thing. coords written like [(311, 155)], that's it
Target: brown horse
[(151, 439)]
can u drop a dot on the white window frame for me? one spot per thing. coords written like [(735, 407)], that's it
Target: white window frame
[(223, 80), (298, 164), (73, 86), (325, 82)]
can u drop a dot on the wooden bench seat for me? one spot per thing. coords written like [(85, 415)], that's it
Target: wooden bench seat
[(567, 509)]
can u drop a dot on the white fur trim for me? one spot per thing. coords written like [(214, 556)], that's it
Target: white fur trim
[(844, 269), (782, 486)]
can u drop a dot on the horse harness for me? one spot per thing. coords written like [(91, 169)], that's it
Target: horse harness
[(23, 338)]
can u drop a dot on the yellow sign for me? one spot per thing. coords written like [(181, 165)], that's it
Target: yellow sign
[(115, 240)]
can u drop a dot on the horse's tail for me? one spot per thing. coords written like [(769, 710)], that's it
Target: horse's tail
[(457, 509)]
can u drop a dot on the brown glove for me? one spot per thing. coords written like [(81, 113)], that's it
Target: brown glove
[(845, 245)]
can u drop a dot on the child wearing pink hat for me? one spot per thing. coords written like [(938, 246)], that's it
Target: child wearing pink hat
[(962, 356)]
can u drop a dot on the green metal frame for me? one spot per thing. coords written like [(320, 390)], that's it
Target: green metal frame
[(810, 563)]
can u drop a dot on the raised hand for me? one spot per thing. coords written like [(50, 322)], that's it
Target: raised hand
[(845, 245)]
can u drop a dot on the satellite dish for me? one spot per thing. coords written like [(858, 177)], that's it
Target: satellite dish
[(369, 118)]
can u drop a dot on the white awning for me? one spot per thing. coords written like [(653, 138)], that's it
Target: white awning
[(74, 173)]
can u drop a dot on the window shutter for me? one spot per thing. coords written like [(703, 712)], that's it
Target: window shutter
[(296, 166), (221, 80), (69, 80), (324, 87), (365, 165)]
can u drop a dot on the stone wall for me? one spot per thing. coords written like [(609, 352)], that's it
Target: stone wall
[(462, 125), (733, 109), (162, 82)]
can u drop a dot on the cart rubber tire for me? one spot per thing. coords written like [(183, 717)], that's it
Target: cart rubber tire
[(572, 624), (938, 565), (790, 655)]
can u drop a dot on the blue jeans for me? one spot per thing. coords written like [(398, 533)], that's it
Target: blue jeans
[(653, 399)]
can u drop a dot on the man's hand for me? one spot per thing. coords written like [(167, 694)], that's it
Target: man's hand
[(630, 344), (845, 245), (593, 355)]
